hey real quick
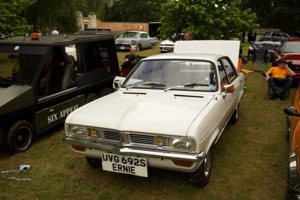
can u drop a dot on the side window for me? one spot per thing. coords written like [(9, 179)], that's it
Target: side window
[(229, 68), (58, 71), (222, 74), (93, 56), (144, 35)]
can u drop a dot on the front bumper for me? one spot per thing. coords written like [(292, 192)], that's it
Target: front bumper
[(124, 46), (135, 151)]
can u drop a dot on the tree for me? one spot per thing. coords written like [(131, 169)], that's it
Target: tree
[(132, 11), (87, 6), (44, 15), (207, 19), (275, 13), (13, 16)]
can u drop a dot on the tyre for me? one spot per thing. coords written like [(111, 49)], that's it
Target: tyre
[(19, 137), (290, 194), (200, 177), (91, 97), (106, 91), (139, 47), (235, 115), (94, 162)]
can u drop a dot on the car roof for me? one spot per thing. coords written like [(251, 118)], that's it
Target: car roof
[(185, 56), (56, 39)]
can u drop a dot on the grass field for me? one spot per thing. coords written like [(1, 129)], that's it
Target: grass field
[(249, 162)]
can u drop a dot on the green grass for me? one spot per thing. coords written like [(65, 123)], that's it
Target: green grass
[(249, 162)]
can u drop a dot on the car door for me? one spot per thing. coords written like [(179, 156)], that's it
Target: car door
[(229, 76), (145, 40)]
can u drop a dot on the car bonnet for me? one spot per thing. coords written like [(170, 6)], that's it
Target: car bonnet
[(157, 112)]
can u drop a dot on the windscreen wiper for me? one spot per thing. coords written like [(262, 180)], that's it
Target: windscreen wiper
[(185, 85)]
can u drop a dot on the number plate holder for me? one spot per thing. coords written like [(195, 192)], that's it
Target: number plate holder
[(132, 165)]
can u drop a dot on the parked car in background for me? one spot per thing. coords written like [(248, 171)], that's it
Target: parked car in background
[(261, 48), (293, 135), (276, 35), (290, 51), (168, 113), (138, 39), (166, 46), (43, 79)]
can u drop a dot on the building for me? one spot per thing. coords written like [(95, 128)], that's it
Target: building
[(92, 22)]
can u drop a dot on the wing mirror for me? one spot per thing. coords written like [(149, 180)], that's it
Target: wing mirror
[(291, 111), (229, 88), (118, 81)]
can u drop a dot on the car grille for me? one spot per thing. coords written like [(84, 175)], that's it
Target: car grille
[(105, 134), (110, 135), (133, 139), (167, 45), (148, 139)]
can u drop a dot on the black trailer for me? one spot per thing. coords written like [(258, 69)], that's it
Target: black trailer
[(43, 79)]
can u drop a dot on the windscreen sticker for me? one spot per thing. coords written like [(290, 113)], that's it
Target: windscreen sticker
[(16, 48)]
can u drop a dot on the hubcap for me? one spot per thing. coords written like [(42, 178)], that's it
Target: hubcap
[(23, 137)]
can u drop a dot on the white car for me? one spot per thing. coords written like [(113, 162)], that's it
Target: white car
[(138, 39), (168, 113), (166, 46)]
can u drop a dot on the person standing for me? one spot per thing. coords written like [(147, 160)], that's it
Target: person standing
[(188, 35), (132, 52), (54, 31), (243, 37)]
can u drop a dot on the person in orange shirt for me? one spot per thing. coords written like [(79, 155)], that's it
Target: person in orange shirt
[(280, 76)]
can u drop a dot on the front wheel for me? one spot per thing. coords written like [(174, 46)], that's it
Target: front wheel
[(200, 177), (235, 115), (94, 162), (20, 136), (139, 47)]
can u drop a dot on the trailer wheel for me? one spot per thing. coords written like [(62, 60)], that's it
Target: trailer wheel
[(19, 137), (91, 97), (106, 91)]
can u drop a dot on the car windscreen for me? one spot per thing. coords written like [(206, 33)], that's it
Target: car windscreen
[(131, 35), (19, 65), (190, 75), (292, 47)]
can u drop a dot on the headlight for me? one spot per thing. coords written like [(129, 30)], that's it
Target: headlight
[(133, 42), (183, 144), (73, 130)]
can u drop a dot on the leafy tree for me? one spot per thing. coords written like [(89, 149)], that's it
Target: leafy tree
[(44, 15), (132, 11), (207, 19), (13, 16), (87, 6), (275, 13)]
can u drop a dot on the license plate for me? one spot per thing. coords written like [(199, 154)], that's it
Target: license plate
[(122, 47), (125, 164)]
